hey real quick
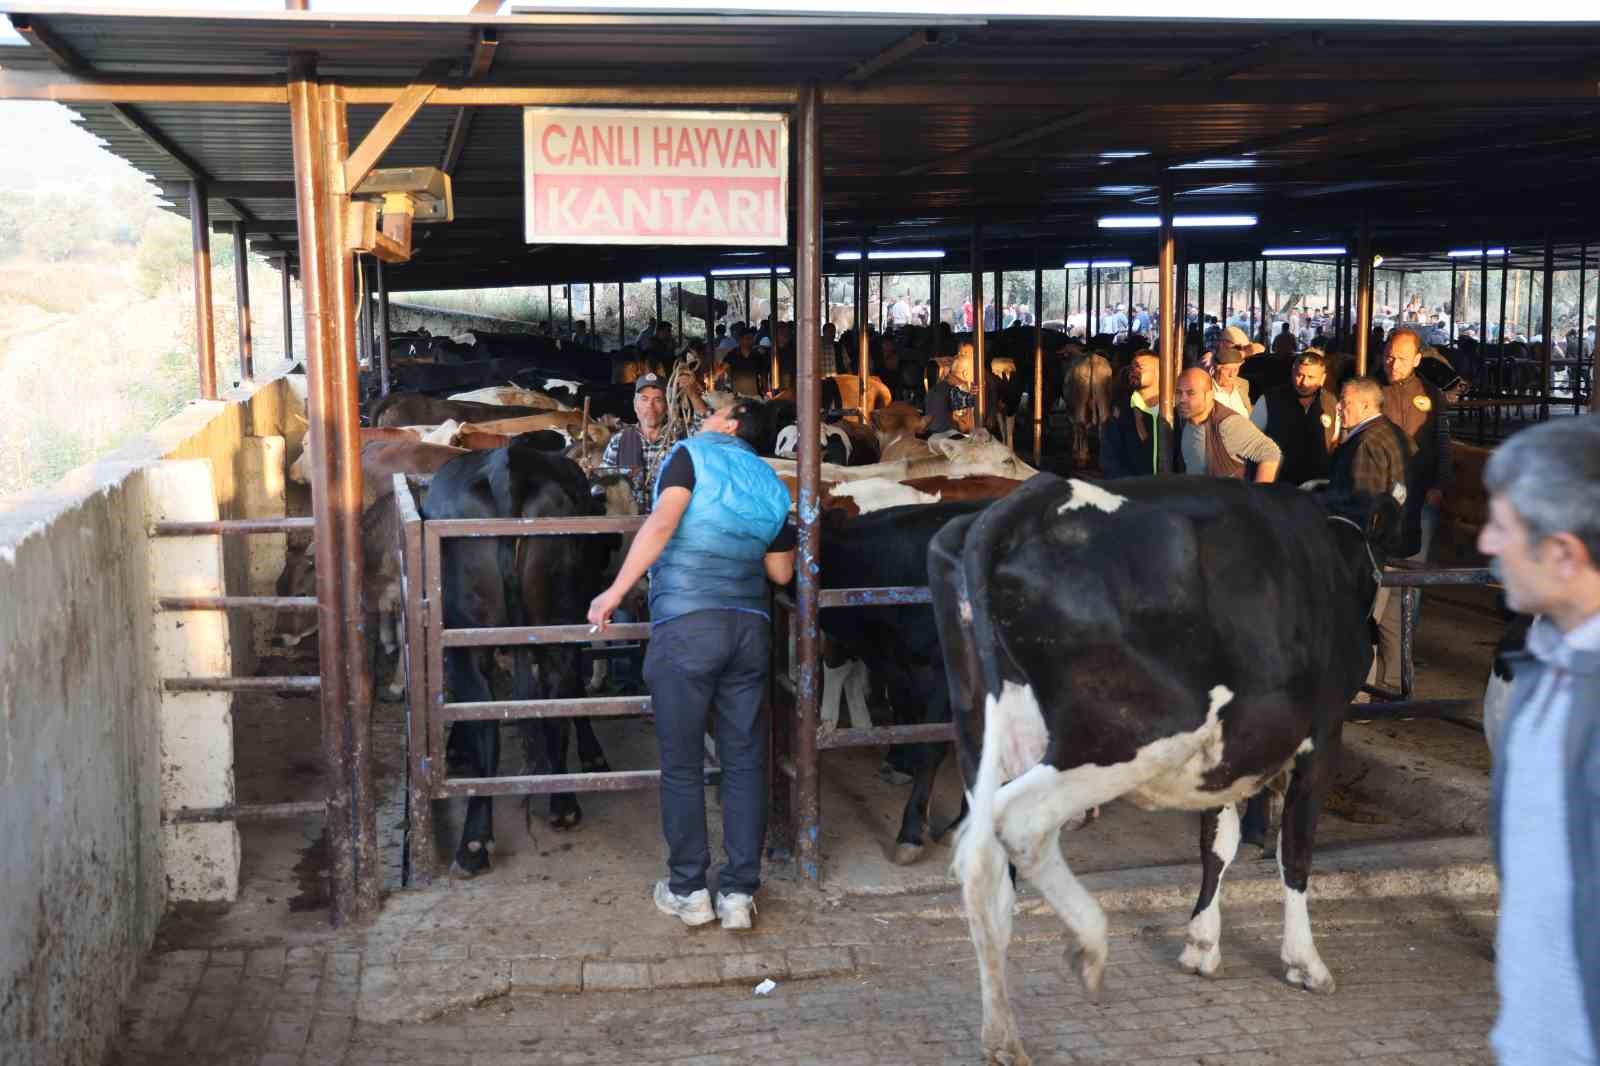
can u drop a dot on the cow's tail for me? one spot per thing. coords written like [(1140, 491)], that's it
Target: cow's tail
[(380, 405)]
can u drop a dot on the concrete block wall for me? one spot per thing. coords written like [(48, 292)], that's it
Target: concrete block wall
[(91, 750)]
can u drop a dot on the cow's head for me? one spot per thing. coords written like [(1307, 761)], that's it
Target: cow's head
[(897, 420)]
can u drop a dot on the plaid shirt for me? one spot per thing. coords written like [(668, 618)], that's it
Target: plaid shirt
[(644, 480)]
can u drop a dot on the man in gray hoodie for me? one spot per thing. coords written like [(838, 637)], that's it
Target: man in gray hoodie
[(1543, 535)]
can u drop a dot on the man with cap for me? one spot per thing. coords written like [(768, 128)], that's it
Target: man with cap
[(718, 535), (1216, 441), (1233, 348), (638, 449)]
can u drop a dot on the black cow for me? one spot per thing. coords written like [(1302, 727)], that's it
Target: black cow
[(1182, 642), (900, 645), (545, 580)]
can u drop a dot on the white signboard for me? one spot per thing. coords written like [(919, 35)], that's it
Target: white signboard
[(605, 176)]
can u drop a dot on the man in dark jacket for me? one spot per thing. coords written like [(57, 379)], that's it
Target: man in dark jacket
[(1543, 535), (717, 535), (1302, 417), (1138, 440), (1372, 461), (1424, 413)]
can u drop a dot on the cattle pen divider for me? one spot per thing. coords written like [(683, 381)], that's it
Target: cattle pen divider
[(788, 823), (429, 715), (294, 683)]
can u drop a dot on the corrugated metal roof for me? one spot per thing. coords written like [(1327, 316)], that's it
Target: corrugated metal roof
[(1336, 129)]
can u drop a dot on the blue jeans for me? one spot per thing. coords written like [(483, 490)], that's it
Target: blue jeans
[(711, 665)]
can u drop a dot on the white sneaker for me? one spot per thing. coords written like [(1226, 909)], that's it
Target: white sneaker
[(736, 910), (693, 909)]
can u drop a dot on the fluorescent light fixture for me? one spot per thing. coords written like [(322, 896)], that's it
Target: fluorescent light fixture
[(1097, 264), (1474, 253), (1122, 155), (745, 272), (1216, 164), (1187, 221), (1181, 221), (904, 253), (1333, 249), (681, 280)]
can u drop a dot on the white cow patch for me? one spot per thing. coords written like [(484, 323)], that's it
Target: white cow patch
[(1399, 493), (1018, 724), (445, 433), (1306, 747), (1086, 495), (876, 495)]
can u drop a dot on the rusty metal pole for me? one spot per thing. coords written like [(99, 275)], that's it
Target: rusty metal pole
[(205, 341), (980, 365), (241, 285), (935, 312), (1171, 361), (1452, 302), (1547, 350), (1038, 357), (1363, 296), (317, 126), (383, 328), (775, 376), (863, 339), (808, 400)]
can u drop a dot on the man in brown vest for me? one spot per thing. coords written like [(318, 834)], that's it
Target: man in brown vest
[(1216, 441), (1302, 418)]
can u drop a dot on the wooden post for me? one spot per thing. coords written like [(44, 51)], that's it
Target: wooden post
[(205, 341), (241, 286), (317, 124)]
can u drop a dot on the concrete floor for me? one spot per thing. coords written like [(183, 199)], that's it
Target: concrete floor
[(618, 848)]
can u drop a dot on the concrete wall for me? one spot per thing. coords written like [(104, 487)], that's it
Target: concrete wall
[(88, 752)]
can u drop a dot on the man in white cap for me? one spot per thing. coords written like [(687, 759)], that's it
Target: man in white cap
[(1233, 348)]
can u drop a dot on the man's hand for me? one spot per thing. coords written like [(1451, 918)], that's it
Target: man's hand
[(603, 606), (1433, 498)]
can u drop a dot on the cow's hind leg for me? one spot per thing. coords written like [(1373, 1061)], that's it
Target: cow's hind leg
[(1308, 787), (1219, 842), (909, 844), (591, 756), (988, 897), (1030, 813)]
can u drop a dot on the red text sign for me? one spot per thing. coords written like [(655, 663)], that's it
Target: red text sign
[(602, 176)]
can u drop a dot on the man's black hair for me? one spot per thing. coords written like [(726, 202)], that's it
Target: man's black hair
[(751, 418)]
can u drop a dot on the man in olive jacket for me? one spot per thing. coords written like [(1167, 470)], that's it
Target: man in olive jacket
[(1543, 535)]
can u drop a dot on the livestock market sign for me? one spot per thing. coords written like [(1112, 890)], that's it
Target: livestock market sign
[(604, 176)]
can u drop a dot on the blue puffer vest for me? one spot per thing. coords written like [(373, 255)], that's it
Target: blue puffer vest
[(713, 561)]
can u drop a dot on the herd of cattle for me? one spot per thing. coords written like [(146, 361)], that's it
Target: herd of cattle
[(1196, 641)]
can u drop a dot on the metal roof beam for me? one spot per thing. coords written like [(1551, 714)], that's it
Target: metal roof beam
[(908, 45), (483, 52)]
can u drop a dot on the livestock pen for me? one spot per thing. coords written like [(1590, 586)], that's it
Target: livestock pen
[(990, 139)]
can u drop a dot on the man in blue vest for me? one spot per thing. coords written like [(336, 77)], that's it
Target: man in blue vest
[(718, 534)]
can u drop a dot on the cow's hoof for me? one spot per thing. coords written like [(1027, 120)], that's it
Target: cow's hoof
[(471, 860), (597, 766), (565, 815), (390, 694), (906, 854), (1011, 1054), (1091, 966), (1311, 980), (1202, 959)]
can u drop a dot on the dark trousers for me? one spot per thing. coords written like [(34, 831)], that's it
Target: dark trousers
[(711, 664)]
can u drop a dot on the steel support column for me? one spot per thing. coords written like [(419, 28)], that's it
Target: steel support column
[(808, 400), (1200, 303), (241, 287), (1363, 309), (1038, 357), (1483, 310), (980, 364), (935, 313), (1547, 349), (1171, 360), (1222, 303), (775, 378), (863, 340), (383, 327), (288, 311), (1266, 310), (205, 340), (317, 123), (1453, 284)]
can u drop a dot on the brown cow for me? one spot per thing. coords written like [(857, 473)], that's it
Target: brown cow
[(415, 409), (1088, 397), (897, 426)]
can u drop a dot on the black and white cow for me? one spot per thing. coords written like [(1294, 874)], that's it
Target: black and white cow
[(1497, 689), (544, 580), (1179, 642)]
